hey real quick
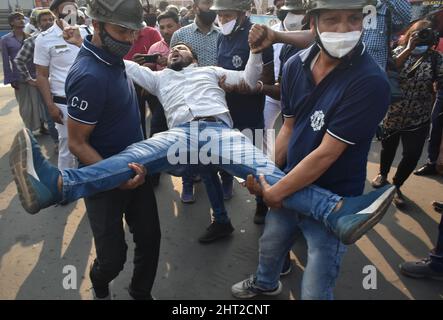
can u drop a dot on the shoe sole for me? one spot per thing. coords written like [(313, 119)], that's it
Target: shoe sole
[(207, 241), (188, 201), (22, 165), (276, 292), (416, 276), (378, 210)]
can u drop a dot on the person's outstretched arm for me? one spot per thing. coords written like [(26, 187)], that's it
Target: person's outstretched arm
[(143, 76), (262, 37)]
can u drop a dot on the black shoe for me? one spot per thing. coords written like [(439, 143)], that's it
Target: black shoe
[(420, 269), (438, 206), (260, 213), (216, 231), (399, 199), (379, 181), (427, 170), (137, 296)]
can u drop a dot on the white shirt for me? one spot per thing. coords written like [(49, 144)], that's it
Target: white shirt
[(52, 51), (194, 92), (30, 29)]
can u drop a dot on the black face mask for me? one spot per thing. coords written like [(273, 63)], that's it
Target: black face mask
[(281, 14), (207, 17), (113, 46)]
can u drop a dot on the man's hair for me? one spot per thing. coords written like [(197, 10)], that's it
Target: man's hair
[(194, 54), (56, 3), (168, 15), (15, 15), (163, 5), (44, 12)]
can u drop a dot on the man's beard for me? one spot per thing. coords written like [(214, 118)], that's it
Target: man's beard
[(179, 65)]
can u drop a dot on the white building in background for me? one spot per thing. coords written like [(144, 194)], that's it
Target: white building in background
[(14, 4)]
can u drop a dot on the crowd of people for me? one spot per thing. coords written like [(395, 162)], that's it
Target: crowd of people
[(87, 75)]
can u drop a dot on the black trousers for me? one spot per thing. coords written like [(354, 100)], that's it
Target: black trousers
[(435, 138), (141, 98), (158, 118), (105, 212), (413, 143)]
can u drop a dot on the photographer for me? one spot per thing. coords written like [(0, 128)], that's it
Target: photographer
[(430, 267), (420, 75)]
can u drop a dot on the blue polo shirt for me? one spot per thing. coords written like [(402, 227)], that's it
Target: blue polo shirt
[(348, 105), (233, 54), (99, 94)]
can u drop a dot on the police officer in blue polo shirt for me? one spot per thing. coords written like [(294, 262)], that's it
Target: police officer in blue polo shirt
[(245, 106), (333, 97), (104, 119)]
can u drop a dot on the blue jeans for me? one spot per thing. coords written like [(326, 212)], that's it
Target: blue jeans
[(213, 188), (325, 253), (199, 143)]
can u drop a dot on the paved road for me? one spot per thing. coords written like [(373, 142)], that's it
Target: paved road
[(35, 249)]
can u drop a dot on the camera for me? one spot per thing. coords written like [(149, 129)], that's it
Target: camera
[(428, 37), (151, 58)]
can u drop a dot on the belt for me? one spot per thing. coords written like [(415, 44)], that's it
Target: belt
[(207, 119), (60, 100)]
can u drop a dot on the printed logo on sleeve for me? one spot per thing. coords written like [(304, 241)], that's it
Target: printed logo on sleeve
[(79, 104), (317, 120)]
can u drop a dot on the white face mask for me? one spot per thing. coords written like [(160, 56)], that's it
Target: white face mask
[(338, 44), (228, 27), (293, 22)]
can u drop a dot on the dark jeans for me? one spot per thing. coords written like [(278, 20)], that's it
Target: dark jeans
[(413, 143), (437, 128), (437, 256), (105, 213), (141, 98)]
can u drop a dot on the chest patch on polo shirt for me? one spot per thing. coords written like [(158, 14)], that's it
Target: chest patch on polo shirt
[(317, 120), (237, 61)]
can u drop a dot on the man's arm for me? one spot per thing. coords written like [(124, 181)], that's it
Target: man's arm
[(282, 142), (79, 134), (79, 146), (7, 71), (262, 37), (143, 76), (45, 90), (310, 169), (24, 56), (401, 13)]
